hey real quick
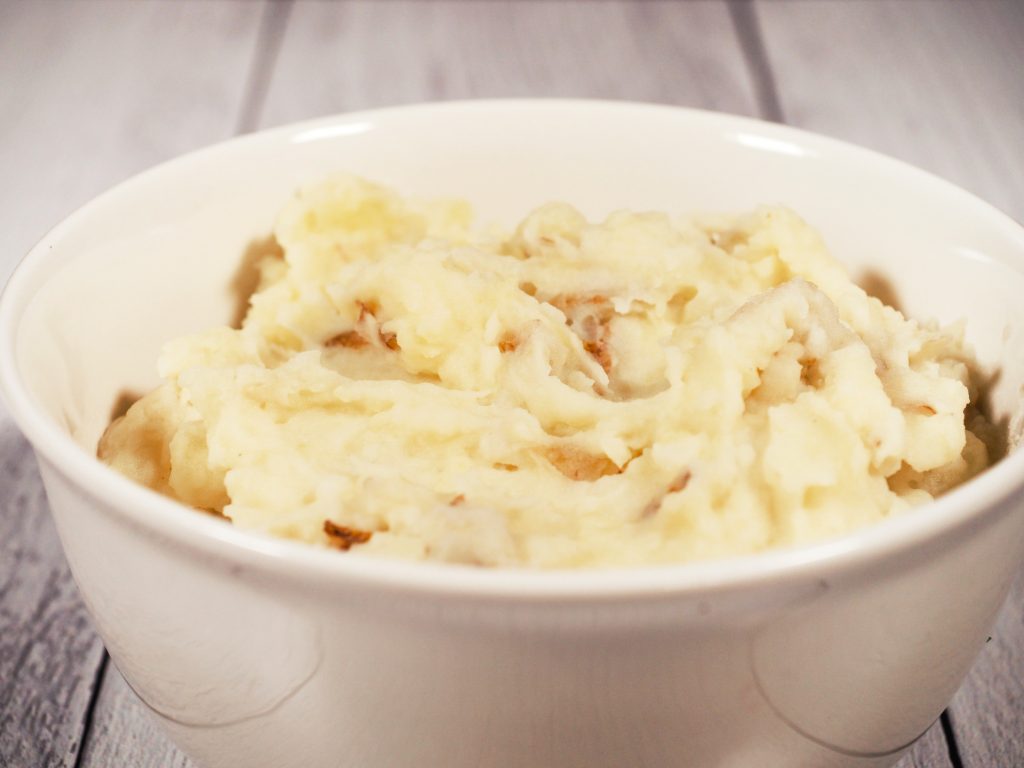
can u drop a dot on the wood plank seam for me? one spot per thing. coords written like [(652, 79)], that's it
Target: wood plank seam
[(87, 716), (950, 734), (273, 25), (755, 56)]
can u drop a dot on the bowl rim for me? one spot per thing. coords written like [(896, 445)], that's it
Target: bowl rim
[(174, 522)]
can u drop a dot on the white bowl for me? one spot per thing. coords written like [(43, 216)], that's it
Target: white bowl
[(259, 652)]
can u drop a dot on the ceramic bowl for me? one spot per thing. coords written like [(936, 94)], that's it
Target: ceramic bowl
[(259, 652)]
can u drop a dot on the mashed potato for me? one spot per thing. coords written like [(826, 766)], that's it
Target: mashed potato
[(642, 390)]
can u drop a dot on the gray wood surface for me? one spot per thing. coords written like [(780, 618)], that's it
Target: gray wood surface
[(49, 653), (940, 85), (124, 734), (931, 751), (935, 83), (89, 94), (368, 54)]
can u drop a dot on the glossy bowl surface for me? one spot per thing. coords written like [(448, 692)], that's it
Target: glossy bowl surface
[(255, 651)]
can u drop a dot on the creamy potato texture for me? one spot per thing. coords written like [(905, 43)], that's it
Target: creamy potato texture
[(645, 389)]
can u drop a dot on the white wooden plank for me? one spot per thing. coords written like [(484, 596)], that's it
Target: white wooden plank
[(90, 92), (338, 57), (938, 84)]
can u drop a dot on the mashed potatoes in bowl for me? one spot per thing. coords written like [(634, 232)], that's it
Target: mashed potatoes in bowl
[(410, 384), (640, 390)]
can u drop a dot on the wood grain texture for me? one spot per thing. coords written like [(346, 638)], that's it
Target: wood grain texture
[(48, 650), (90, 92), (931, 751), (937, 84), (338, 57)]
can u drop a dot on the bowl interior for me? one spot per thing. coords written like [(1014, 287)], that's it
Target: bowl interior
[(163, 254)]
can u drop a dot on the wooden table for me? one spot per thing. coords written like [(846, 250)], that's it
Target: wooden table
[(93, 91)]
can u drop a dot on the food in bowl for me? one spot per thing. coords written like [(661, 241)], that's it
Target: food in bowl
[(645, 389)]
